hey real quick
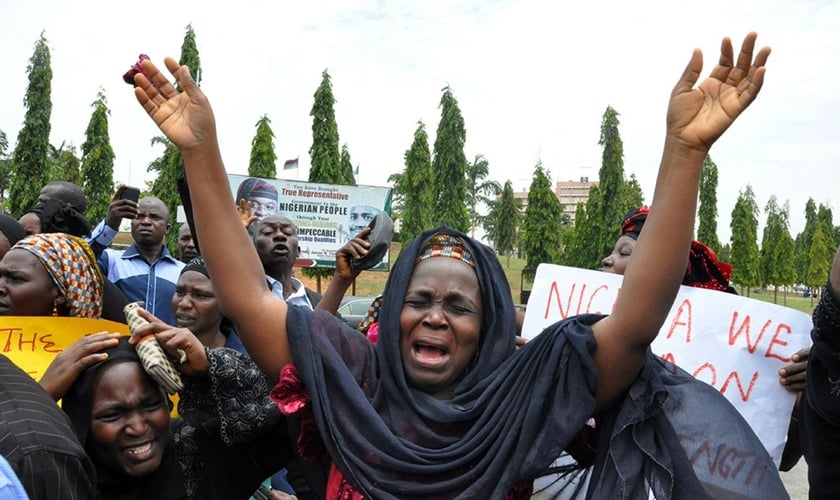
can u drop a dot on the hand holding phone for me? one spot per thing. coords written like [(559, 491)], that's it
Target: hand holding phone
[(130, 193)]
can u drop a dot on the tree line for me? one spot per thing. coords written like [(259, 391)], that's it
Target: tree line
[(438, 186)]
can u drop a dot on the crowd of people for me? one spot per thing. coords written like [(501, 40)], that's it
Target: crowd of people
[(281, 399)]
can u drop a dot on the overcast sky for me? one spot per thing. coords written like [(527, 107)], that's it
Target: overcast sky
[(532, 79)]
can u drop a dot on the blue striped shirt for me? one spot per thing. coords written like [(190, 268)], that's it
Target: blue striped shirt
[(154, 283)]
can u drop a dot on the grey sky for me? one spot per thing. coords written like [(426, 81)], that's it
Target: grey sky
[(532, 79)]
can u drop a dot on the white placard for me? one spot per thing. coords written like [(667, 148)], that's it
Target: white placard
[(733, 343)]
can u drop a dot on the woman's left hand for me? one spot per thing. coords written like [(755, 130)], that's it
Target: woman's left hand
[(175, 342)]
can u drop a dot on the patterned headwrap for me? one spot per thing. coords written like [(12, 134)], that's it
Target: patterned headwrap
[(256, 188), (439, 245), (72, 266), (634, 221), (446, 245)]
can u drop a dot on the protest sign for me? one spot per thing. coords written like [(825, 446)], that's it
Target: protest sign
[(327, 215), (735, 344), (31, 342)]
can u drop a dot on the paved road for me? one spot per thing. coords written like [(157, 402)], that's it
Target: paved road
[(796, 481)]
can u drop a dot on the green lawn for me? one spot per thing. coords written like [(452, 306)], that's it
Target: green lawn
[(793, 300), (372, 282)]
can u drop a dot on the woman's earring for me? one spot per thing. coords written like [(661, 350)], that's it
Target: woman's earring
[(55, 308)]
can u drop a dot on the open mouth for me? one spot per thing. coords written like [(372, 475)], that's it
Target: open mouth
[(429, 355), (182, 320), (139, 452)]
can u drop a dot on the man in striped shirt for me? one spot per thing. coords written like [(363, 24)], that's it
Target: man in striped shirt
[(38, 442)]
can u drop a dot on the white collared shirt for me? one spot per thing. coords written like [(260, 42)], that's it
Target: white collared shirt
[(297, 298)]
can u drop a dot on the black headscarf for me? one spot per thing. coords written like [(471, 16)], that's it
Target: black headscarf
[(78, 402), (634, 221), (60, 217), (510, 416), (11, 228), (78, 405)]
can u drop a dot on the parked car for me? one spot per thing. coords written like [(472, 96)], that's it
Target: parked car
[(354, 308)]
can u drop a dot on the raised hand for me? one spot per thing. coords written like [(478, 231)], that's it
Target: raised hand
[(120, 209), (697, 117), (184, 117)]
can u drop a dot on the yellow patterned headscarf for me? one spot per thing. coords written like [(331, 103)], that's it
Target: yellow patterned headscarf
[(72, 266)]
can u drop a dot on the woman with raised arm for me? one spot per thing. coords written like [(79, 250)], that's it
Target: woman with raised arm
[(444, 405)]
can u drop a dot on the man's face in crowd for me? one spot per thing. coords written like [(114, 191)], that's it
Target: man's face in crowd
[(152, 222)]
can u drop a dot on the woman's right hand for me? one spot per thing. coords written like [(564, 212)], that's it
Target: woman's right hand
[(71, 362), (181, 346), (356, 248)]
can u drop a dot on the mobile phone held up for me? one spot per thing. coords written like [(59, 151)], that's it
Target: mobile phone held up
[(130, 193)]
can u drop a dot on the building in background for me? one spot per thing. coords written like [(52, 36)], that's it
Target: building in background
[(570, 193)]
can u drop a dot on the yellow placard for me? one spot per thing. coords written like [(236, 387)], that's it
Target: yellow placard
[(32, 342)]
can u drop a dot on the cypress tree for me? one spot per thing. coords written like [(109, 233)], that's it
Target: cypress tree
[(595, 234), (541, 233), (347, 167), (803, 241), (449, 165), (98, 161), (777, 248), (30, 163), (415, 187), (324, 153), (707, 228), (263, 158), (818, 266), (502, 222), (744, 227)]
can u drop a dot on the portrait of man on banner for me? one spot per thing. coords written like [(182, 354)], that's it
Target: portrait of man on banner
[(261, 194), (359, 218)]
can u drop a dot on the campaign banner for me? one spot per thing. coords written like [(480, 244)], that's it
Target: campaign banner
[(735, 344), (327, 215)]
